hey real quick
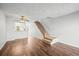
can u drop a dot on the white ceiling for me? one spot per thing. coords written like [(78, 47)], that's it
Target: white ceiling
[(39, 10)]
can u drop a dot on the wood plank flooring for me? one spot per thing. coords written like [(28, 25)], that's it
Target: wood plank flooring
[(36, 47)]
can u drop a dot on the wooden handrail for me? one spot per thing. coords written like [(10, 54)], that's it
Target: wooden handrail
[(40, 27)]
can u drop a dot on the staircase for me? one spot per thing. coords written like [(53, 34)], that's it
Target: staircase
[(46, 37)]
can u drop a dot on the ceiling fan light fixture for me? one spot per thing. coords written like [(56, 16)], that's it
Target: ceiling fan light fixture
[(23, 19)]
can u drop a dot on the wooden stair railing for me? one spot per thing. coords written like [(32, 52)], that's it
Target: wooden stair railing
[(46, 37)]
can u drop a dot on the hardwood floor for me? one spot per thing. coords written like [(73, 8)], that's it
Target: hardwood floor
[(36, 47)]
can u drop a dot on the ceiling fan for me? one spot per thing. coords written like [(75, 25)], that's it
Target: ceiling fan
[(23, 19)]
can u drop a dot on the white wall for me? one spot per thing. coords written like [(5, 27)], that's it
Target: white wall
[(2, 29), (11, 32), (66, 28)]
